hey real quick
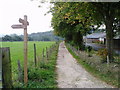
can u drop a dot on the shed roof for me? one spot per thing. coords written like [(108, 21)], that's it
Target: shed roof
[(96, 35)]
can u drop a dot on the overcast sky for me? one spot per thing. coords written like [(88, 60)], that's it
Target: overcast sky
[(12, 10)]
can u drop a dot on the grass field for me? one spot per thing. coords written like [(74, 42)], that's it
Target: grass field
[(16, 51)]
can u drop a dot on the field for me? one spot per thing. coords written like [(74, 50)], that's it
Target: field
[(16, 52)]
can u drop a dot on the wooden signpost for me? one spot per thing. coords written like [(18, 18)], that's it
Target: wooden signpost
[(23, 26)]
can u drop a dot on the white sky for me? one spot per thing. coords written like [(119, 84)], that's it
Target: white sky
[(12, 10)]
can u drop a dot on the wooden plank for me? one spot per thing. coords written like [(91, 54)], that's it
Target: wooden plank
[(6, 68)]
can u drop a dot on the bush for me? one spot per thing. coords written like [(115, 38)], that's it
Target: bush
[(82, 47), (34, 74), (103, 53), (89, 49)]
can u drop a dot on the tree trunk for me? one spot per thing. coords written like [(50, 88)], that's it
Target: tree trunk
[(109, 38), (78, 39)]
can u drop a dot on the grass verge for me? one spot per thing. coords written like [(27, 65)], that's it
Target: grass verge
[(42, 76), (105, 77), (16, 53)]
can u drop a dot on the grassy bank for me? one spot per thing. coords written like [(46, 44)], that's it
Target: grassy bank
[(93, 69), (16, 53), (44, 75)]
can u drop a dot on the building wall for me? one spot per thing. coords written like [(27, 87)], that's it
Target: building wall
[(91, 40), (116, 42)]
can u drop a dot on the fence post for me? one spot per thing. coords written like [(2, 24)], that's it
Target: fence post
[(6, 68), (49, 50), (20, 78), (35, 55), (43, 55), (46, 53)]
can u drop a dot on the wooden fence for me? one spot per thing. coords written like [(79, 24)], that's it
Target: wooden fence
[(6, 64)]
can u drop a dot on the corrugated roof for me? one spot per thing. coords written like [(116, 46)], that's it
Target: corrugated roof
[(97, 35)]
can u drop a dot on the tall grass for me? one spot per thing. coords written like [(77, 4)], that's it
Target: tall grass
[(17, 53)]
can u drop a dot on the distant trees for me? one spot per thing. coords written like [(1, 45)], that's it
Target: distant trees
[(40, 36), (17, 38), (7, 38), (12, 38), (30, 39), (44, 36)]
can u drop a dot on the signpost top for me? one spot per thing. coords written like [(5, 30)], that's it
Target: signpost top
[(24, 23)]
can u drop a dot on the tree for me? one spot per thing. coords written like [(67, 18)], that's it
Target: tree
[(86, 14), (69, 23), (16, 38), (7, 38), (30, 38), (107, 14)]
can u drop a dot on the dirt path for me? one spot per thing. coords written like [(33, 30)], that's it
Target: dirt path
[(72, 75)]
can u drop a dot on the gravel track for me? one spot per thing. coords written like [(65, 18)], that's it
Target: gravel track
[(73, 75)]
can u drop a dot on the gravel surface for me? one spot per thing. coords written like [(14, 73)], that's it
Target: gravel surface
[(73, 75)]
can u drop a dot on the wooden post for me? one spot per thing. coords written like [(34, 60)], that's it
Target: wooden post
[(0, 68), (35, 54), (25, 50), (108, 60), (46, 53), (43, 55), (23, 26), (6, 68), (19, 72), (49, 50)]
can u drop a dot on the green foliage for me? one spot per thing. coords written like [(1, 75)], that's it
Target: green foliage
[(68, 21), (44, 74), (89, 50), (103, 53)]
